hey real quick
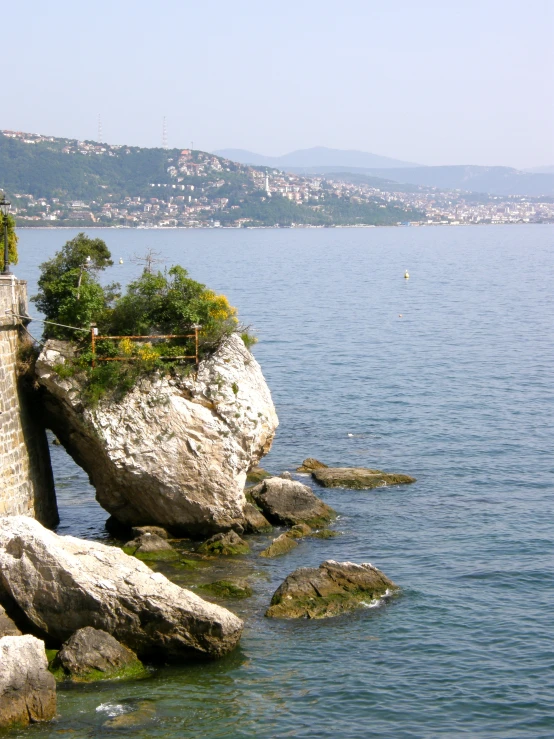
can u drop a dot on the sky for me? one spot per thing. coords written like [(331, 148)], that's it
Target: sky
[(427, 81)]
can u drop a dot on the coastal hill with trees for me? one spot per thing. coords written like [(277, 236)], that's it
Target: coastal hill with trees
[(57, 181)]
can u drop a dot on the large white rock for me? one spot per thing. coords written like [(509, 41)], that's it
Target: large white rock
[(63, 584), (173, 451), (27, 689)]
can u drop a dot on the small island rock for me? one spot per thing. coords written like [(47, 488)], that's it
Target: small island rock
[(154, 530), (358, 478), (27, 689), (95, 654), (329, 590), (288, 502)]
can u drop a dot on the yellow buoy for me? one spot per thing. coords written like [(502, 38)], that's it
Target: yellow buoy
[(406, 275)]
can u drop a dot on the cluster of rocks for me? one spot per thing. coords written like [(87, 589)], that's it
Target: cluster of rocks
[(174, 452)]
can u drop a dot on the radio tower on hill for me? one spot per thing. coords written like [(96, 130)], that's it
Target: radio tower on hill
[(164, 133), (99, 129)]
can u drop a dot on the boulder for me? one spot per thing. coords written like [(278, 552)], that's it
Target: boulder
[(175, 450), (27, 689), (285, 475), (154, 530), (310, 464), (329, 590), (226, 544), (62, 584), (281, 545), (288, 502), (255, 521), (7, 626), (136, 715), (358, 478), (92, 654)]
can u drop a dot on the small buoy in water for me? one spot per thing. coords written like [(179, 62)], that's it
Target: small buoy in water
[(400, 315), (350, 434), (120, 260), (406, 275)]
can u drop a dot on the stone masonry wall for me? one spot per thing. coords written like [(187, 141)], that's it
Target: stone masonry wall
[(26, 483)]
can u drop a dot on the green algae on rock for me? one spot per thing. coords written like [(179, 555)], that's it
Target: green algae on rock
[(331, 589), (324, 534), (281, 545), (227, 589), (358, 478), (299, 531), (227, 544)]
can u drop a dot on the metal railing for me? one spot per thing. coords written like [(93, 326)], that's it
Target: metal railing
[(95, 338)]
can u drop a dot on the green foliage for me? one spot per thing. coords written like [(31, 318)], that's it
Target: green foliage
[(12, 240), (69, 290)]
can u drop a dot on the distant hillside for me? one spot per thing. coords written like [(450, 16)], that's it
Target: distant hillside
[(493, 180), (318, 156), (54, 181)]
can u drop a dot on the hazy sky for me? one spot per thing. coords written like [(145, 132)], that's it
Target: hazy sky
[(429, 81)]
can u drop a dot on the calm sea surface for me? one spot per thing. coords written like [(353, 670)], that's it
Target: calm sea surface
[(459, 392)]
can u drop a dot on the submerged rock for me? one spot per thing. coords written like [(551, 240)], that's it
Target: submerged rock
[(225, 544), (27, 689), (174, 451), (281, 545), (140, 713), (227, 589), (93, 654), (329, 590), (358, 478), (310, 464), (62, 584), (288, 502)]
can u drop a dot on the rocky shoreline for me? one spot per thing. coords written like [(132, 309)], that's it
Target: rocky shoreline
[(169, 461)]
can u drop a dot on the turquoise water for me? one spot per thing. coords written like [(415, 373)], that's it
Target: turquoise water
[(459, 393)]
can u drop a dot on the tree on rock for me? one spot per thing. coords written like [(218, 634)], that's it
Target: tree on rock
[(69, 290)]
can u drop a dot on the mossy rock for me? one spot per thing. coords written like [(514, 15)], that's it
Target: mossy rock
[(299, 531), (228, 544), (358, 478), (310, 464), (164, 555), (279, 546), (324, 534), (331, 589), (227, 589), (144, 712)]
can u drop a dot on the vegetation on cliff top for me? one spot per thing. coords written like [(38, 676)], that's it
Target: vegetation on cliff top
[(155, 304)]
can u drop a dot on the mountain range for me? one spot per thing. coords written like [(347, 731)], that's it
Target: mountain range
[(502, 181), (319, 156)]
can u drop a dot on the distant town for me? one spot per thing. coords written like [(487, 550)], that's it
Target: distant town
[(197, 190)]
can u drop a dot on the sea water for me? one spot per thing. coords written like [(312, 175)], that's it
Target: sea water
[(447, 376)]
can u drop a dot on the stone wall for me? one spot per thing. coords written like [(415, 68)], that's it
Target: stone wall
[(26, 483)]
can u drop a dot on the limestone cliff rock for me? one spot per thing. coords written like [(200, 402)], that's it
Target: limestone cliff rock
[(173, 451), (62, 584)]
